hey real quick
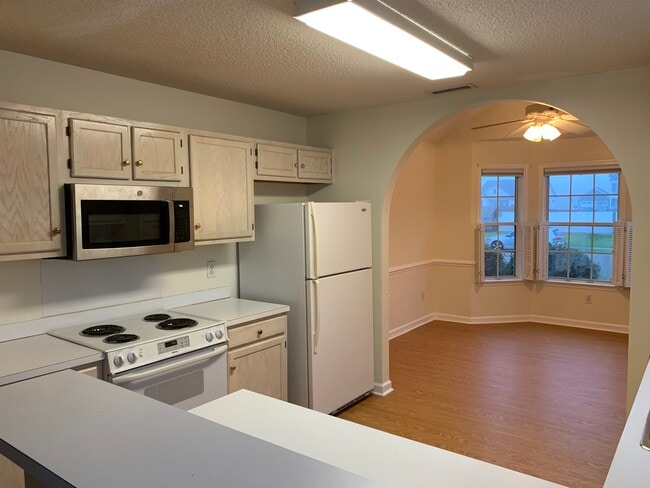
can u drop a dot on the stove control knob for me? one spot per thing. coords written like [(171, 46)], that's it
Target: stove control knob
[(132, 357), (118, 360), (219, 333), (209, 337)]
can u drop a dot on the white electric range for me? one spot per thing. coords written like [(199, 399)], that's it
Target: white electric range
[(176, 358)]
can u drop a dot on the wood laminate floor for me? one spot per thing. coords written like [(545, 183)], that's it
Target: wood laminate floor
[(544, 400)]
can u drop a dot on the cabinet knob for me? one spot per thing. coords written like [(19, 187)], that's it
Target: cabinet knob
[(139, 162), (260, 332), (233, 367), (127, 162), (295, 164), (302, 165), (56, 231), (197, 226)]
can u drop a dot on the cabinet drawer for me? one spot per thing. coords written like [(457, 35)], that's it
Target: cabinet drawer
[(245, 334)]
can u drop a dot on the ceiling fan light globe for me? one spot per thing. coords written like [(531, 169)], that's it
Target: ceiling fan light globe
[(533, 133), (549, 132)]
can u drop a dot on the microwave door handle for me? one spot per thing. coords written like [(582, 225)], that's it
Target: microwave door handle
[(172, 224), (119, 380)]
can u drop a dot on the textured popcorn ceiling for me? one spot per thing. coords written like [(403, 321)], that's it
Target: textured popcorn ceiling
[(255, 52)]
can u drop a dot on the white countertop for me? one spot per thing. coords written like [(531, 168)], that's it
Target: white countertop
[(42, 354), (234, 311), (358, 449), (70, 430), (631, 465)]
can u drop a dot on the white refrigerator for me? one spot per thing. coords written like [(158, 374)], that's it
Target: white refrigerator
[(317, 258)]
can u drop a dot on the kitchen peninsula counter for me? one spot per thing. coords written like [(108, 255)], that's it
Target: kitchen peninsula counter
[(69, 430), (367, 452), (41, 354)]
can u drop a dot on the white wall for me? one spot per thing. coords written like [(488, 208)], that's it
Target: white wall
[(371, 143), (31, 289)]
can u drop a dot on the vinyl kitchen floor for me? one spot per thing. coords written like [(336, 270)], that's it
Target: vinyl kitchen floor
[(544, 400)]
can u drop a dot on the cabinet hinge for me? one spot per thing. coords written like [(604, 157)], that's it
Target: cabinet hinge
[(67, 131), (69, 163), (182, 170), (253, 226), (255, 164), (181, 142), (256, 152)]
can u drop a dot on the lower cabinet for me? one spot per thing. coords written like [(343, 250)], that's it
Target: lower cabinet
[(257, 357)]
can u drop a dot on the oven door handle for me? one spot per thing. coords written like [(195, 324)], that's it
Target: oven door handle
[(128, 377)]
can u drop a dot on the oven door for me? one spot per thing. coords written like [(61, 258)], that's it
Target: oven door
[(185, 381)]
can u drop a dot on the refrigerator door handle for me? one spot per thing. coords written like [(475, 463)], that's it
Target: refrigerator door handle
[(317, 321), (314, 255)]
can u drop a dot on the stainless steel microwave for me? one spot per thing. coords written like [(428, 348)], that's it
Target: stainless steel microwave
[(108, 221)]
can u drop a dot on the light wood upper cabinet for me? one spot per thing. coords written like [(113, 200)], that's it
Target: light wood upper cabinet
[(30, 218), (99, 150), (257, 357), (108, 148), (292, 164), (157, 154), (222, 179), (314, 165), (279, 161)]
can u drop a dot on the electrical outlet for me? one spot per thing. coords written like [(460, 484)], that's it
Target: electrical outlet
[(211, 269), (588, 300)]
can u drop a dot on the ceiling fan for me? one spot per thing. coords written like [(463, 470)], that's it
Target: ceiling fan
[(542, 123)]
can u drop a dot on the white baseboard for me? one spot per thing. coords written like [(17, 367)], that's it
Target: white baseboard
[(508, 319), (382, 389), (403, 329)]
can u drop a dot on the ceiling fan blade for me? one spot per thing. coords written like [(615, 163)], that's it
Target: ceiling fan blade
[(518, 132), (572, 126), (499, 123)]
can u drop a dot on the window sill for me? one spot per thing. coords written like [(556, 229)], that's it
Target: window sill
[(572, 283), (493, 281)]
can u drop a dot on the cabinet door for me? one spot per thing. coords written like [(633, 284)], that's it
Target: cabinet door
[(314, 165), (222, 180), (277, 161), (99, 150), (29, 189), (260, 367), (157, 155)]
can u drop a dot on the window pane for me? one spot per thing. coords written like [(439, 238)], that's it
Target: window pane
[(580, 266), (506, 186), (602, 267), (606, 209), (607, 183), (558, 209), (489, 210), (558, 264), (506, 209), (488, 186), (580, 238), (582, 209), (490, 265), (500, 237), (604, 239), (557, 238), (582, 184), (506, 264), (559, 185)]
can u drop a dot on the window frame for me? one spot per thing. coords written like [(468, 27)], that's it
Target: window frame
[(585, 167), (521, 209)]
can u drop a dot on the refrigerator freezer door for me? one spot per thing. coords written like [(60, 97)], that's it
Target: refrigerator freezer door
[(339, 237), (341, 339)]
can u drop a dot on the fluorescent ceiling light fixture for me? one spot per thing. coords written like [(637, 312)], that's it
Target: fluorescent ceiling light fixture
[(539, 132), (374, 27)]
